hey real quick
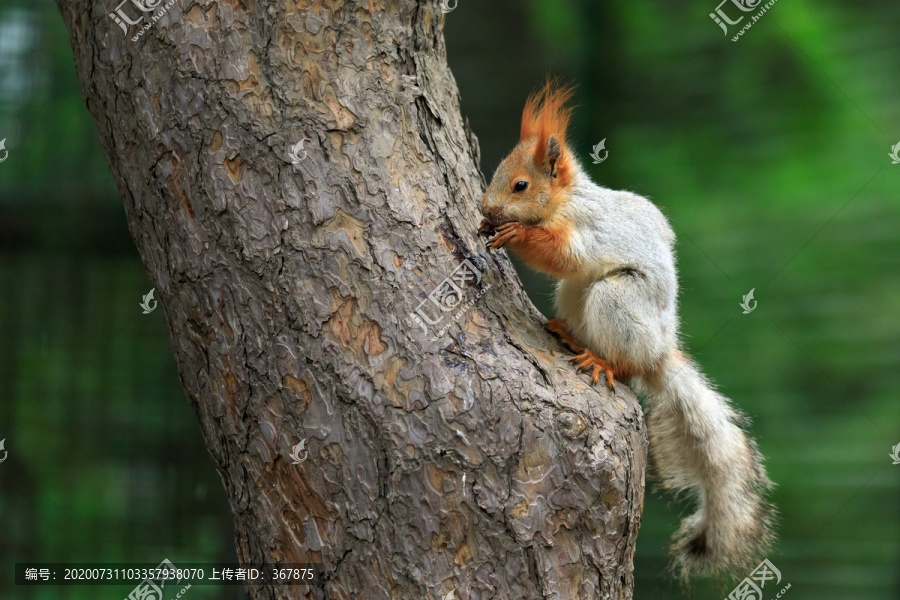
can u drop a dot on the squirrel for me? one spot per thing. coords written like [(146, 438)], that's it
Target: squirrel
[(617, 306)]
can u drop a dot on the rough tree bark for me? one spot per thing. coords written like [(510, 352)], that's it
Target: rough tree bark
[(473, 460)]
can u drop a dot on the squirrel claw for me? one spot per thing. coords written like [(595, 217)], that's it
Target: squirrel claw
[(588, 361), (584, 359), (507, 233)]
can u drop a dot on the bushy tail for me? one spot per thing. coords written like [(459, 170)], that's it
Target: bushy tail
[(697, 446)]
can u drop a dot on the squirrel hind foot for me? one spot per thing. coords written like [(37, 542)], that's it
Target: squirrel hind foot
[(585, 359), (588, 361)]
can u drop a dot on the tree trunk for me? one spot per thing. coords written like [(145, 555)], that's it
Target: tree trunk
[(449, 448)]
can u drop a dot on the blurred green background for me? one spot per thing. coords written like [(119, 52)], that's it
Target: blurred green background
[(769, 155)]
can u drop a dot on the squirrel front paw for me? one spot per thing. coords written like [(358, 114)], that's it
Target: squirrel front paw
[(558, 328), (508, 233), (487, 229)]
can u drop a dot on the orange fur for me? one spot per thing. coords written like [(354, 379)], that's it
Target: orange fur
[(546, 114), (546, 249)]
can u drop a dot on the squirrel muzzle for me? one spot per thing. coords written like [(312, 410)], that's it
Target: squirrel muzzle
[(494, 216)]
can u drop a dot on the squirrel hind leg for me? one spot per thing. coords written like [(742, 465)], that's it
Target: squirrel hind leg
[(585, 359)]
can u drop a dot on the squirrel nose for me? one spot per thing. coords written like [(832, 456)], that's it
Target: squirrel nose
[(489, 209), (493, 214)]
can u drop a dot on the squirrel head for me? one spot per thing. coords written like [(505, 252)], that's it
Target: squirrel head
[(531, 183)]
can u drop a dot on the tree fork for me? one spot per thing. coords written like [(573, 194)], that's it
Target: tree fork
[(468, 464)]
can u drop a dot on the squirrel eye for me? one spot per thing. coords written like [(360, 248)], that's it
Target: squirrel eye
[(520, 186)]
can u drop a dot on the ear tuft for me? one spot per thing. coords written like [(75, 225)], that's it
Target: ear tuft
[(554, 153), (546, 117)]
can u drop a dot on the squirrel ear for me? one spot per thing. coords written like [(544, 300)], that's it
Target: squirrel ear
[(554, 152)]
